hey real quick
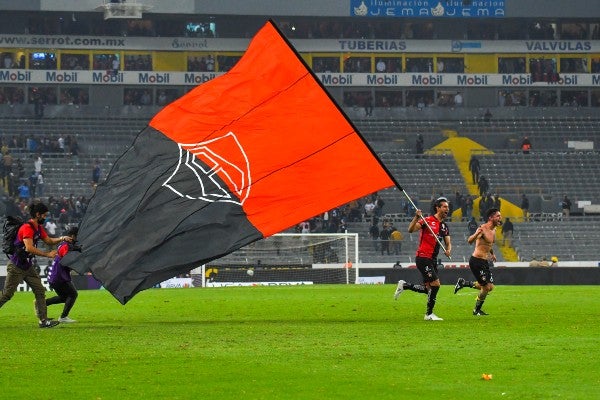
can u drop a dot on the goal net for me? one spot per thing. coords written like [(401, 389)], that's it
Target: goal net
[(286, 259)]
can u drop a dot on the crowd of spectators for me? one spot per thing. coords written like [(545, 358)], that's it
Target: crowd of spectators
[(74, 62), (64, 211), (15, 179), (33, 144), (201, 64), (12, 95), (138, 62), (137, 97)]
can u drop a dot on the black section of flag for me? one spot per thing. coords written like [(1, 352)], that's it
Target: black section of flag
[(137, 232)]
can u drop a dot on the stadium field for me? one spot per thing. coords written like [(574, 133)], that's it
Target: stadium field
[(306, 342)]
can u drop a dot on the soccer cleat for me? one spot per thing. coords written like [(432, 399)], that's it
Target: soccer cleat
[(399, 289), (66, 320), (432, 317), (479, 312), (459, 285), (48, 323)]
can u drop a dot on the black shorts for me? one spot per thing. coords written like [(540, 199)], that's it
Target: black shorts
[(428, 269), (481, 270)]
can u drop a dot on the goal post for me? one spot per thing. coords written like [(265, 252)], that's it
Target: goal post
[(286, 259)]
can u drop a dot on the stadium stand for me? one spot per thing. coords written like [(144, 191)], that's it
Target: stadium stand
[(552, 174), (569, 240), (99, 138)]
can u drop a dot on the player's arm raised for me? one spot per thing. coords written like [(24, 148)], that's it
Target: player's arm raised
[(414, 224)]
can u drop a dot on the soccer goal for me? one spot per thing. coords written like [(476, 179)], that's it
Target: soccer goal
[(287, 259)]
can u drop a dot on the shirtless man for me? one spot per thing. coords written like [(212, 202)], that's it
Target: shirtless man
[(479, 262)]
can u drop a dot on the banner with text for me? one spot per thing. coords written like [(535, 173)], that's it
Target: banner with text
[(112, 45), (328, 79)]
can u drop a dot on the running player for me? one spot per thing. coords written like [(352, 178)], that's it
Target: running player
[(482, 257), (427, 253)]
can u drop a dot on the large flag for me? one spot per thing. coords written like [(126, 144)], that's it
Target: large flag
[(237, 159)]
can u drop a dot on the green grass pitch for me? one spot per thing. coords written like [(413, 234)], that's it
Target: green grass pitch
[(309, 342)]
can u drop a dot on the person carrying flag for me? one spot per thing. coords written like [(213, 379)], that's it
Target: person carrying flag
[(433, 228), (21, 264), (59, 278)]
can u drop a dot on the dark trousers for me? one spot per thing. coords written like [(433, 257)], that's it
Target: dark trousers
[(66, 294)]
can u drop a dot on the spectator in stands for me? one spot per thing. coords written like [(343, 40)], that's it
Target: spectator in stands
[(38, 104), (459, 202), (396, 237), (483, 184), (20, 170), (472, 226), (32, 184), (37, 164), (487, 117), (525, 207), (370, 208), (379, 203), (50, 227), (63, 218), (304, 227), (433, 228), (484, 238), (24, 192), (534, 262), (554, 260), (565, 205), (420, 145), (485, 203), (13, 184), (7, 162), (369, 106), (210, 63), (74, 148), (355, 211), (458, 99), (385, 236), (61, 144), (96, 171), (468, 207), (526, 145), (374, 234), (12, 207), (474, 167), (325, 221), (115, 64), (496, 201), (507, 232)]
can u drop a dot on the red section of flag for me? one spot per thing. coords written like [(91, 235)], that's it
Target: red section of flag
[(303, 156)]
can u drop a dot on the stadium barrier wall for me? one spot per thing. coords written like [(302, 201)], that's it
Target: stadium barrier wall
[(448, 276), (502, 276)]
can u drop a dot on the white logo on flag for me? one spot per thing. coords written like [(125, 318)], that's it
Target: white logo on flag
[(214, 169)]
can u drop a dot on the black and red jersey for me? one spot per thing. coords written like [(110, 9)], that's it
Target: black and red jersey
[(428, 245)]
